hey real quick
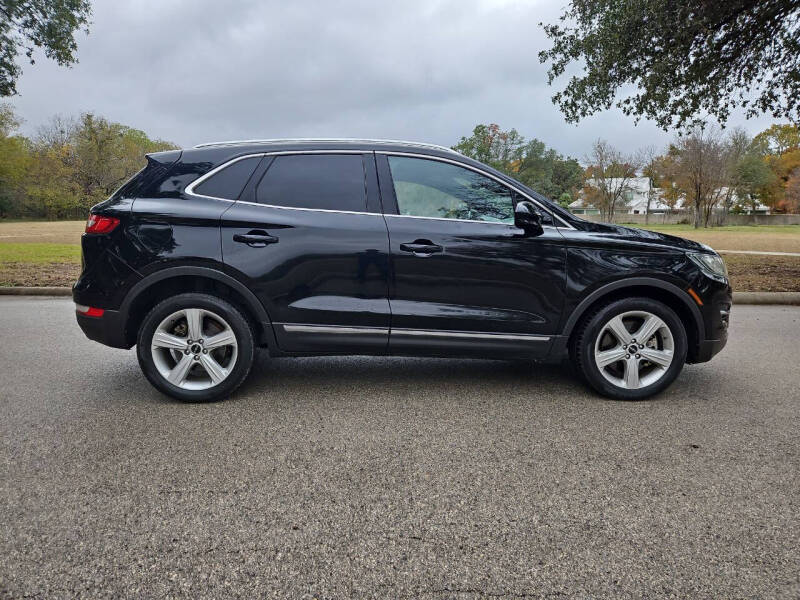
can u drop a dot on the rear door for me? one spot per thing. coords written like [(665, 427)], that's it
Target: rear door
[(307, 236)]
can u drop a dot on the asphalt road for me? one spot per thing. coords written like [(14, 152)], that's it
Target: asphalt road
[(354, 477)]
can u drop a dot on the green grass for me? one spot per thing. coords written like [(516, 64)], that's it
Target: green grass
[(785, 229), (39, 253)]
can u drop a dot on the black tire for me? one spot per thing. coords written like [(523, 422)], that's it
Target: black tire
[(245, 347), (582, 351)]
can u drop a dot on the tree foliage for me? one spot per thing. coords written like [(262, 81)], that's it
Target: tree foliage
[(530, 162), (608, 177), (26, 25), (71, 165), (684, 59)]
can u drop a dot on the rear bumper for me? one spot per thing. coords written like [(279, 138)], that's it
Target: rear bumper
[(108, 329)]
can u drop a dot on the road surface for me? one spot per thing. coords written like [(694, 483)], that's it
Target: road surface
[(379, 477)]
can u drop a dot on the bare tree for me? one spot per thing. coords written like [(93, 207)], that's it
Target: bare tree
[(57, 132), (701, 167), (609, 177)]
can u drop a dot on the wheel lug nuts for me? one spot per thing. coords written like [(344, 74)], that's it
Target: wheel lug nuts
[(627, 356), (205, 351), (186, 351), (196, 357), (638, 356)]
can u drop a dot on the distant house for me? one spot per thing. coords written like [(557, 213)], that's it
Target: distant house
[(633, 201), (636, 192)]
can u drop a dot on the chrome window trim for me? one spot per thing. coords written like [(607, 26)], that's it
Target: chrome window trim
[(564, 225), (435, 333), (189, 190)]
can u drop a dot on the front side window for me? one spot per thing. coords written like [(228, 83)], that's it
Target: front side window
[(229, 182), (318, 181), (430, 188)]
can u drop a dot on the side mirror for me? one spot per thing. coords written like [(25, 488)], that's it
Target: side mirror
[(527, 218)]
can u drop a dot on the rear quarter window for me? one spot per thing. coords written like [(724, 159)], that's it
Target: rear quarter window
[(228, 183), (315, 181)]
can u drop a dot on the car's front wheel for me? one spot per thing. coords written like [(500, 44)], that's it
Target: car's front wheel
[(631, 348), (195, 347)]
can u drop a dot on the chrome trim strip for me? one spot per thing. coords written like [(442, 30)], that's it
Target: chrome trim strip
[(325, 210), (329, 141), (294, 328), (288, 328), (477, 170), (466, 334)]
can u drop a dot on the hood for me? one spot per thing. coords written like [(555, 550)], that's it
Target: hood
[(642, 236)]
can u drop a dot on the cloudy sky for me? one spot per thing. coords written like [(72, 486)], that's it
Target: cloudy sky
[(191, 71)]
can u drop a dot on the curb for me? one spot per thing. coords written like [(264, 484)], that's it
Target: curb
[(35, 291), (786, 298), (790, 298)]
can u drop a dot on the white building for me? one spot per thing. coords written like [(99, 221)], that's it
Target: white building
[(635, 194), (633, 201)]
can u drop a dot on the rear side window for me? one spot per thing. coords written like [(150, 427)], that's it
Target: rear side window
[(230, 181), (321, 181)]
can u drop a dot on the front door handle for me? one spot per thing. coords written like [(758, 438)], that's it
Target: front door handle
[(255, 239), (421, 247)]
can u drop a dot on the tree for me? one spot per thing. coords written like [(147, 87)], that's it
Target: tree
[(778, 139), (531, 162), (14, 160), (29, 24), (751, 178), (793, 192), (701, 170), (685, 58), (608, 177)]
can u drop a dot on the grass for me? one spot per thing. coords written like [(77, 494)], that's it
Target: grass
[(47, 253), (770, 238), (39, 253), (55, 232)]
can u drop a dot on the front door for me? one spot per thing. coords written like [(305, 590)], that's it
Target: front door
[(465, 279), (308, 236)]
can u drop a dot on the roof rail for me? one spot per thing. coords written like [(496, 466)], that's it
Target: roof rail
[(327, 140)]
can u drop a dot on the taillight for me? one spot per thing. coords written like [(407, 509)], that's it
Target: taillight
[(89, 311), (100, 224)]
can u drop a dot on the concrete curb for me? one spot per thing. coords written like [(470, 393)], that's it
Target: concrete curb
[(789, 298), (35, 291)]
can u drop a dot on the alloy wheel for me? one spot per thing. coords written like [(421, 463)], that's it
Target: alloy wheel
[(194, 349), (634, 349)]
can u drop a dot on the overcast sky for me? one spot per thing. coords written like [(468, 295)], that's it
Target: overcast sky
[(191, 71)]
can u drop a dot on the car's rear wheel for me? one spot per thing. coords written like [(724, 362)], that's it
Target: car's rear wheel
[(195, 347), (631, 348)]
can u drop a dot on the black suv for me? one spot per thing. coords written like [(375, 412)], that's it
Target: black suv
[(313, 247)]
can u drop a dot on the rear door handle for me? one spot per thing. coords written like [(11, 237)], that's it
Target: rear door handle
[(421, 247), (255, 239)]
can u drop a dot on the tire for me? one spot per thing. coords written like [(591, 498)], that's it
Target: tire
[(205, 367), (613, 366)]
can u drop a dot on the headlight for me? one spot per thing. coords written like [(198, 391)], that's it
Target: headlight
[(710, 264)]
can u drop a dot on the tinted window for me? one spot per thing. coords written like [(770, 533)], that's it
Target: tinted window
[(328, 181), (429, 188), (230, 181)]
